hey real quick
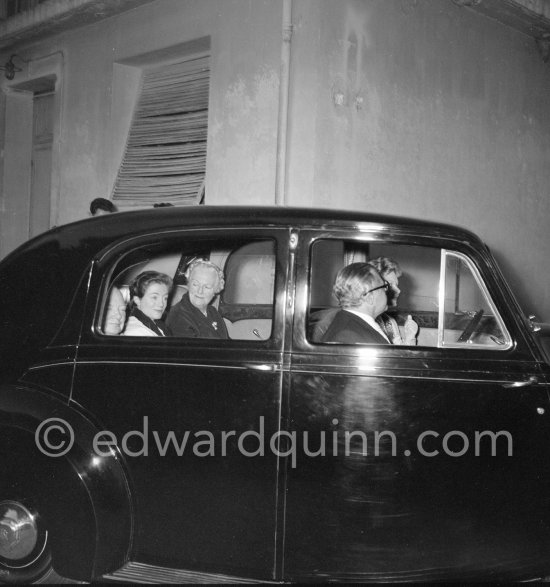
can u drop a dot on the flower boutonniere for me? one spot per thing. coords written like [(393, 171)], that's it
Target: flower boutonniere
[(215, 325)]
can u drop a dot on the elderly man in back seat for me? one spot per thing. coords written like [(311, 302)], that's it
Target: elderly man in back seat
[(194, 316), (116, 312)]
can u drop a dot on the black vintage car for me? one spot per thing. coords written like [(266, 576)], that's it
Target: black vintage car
[(270, 455)]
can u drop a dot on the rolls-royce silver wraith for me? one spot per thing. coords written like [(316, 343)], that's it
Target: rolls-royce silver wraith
[(186, 396)]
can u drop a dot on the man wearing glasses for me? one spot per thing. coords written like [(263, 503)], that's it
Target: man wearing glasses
[(362, 296)]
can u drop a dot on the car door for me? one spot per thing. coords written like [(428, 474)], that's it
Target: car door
[(419, 462), (188, 415)]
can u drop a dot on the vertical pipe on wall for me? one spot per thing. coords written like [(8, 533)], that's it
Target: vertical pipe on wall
[(282, 120)]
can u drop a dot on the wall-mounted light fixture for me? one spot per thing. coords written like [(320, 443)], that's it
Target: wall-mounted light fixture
[(10, 68)]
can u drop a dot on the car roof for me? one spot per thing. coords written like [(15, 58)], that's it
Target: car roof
[(265, 215), (97, 232)]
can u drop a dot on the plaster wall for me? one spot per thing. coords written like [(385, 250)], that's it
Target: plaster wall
[(18, 131), (245, 48), (424, 109)]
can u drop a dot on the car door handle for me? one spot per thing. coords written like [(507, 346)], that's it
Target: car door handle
[(531, 381)]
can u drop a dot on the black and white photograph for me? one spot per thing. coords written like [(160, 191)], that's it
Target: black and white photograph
[(274, 303)]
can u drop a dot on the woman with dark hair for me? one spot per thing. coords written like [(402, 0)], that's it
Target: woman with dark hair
[(149, 295)]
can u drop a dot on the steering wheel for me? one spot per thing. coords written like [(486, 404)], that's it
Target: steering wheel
[(471, 326)]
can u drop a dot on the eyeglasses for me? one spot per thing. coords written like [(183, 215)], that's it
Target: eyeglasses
[(385, 287)]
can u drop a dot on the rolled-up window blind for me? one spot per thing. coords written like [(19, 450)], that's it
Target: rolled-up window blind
[(165, 155)]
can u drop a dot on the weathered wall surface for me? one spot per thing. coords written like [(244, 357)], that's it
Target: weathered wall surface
[(426, 109), (409, 107), (245, 54)]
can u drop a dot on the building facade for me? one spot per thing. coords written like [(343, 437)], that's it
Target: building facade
[(434, 109)]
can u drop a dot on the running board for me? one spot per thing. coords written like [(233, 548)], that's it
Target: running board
[(148, 574)]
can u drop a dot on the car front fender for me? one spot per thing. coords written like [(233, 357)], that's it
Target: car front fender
[(84, 498)]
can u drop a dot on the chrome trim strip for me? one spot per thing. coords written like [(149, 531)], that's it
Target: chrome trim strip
[(52, 364), (142, 573), (358, 372), (441, 298), (245, 367)]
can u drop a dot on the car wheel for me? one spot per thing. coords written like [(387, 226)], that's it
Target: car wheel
[(25, 554)]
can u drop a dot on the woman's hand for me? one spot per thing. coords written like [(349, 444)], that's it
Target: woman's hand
[(410, 329)]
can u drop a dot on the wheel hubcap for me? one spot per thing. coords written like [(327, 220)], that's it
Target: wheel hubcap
[(18, 532)]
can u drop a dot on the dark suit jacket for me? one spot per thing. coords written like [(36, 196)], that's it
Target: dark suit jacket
[(319, 322), (350, 328), (186, 320)]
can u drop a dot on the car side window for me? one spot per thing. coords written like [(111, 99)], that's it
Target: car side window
[(217, 288), (469, 316), (440, 291), (247, 299)]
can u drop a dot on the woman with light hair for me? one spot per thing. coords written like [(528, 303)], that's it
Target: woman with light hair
[(194, 316), (391, 272)]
